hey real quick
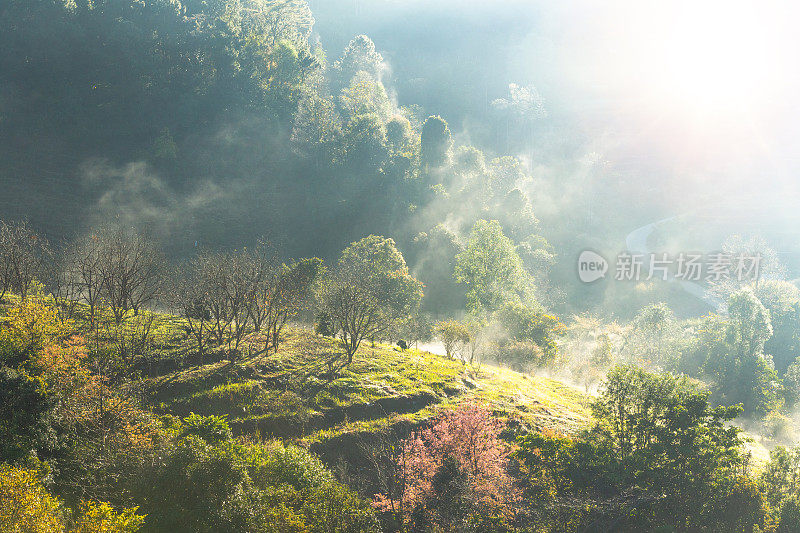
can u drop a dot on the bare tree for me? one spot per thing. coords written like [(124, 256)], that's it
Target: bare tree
[(227, 283), (81, 275), (278, 291), (24, 257), (189, 295), (389, 463), (130, 268), (292, 295), (213, 271), (264, 271), (238, 289), (66, 293)]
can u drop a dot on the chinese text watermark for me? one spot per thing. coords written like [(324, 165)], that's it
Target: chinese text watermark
[(697, 267)]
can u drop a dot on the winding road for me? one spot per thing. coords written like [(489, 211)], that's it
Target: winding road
[(636, 242)]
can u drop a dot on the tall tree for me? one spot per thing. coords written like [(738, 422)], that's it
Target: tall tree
[(490, 268), (368, 291), (436, 143), (24, 258)]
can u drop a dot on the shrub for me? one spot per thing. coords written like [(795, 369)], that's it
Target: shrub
[(208, 482), (453, 335)]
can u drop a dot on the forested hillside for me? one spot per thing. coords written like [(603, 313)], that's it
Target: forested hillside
[(218, 123)]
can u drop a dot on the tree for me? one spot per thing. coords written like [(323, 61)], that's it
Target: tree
[(746, 252), (368, 291), (102, 518), (416, 328), (654, 338), (317, 129), (436, 142), (281, 292), (366, 96), (453, 335), (780, 478), (750, 325), (120, 267), (453, 476), (659, 457), (782, 300), (490, 268), (82, 271), (791, 384), (25, 505), (229, 282), (528, 324), (209, 482), (591, 348), (398, 134), (523, 106), (24, 257), (434, 257), (743, 373), (365, 142), (662, 430), (789, 520), (189, 296), (359, 56)]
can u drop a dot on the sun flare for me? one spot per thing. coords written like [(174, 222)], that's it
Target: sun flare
[(715, 57)]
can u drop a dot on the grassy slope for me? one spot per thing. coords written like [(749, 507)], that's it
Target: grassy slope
[(289, 395)]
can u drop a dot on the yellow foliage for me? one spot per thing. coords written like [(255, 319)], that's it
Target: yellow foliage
[(25, 505), (30, 325), (101, 518)]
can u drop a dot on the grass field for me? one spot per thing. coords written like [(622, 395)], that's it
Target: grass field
[(290, 395)]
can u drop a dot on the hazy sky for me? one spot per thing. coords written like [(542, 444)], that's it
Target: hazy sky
[(704, 87)]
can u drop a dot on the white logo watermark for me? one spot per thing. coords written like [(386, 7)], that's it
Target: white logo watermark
[(591, 266)]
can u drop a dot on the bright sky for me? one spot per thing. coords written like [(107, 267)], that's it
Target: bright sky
[(706, 79)]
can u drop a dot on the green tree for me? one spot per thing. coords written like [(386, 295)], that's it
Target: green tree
[(490, 268), (436, 142), (791, 384), (524, 323), (654, 338), (434, 257), (659, 457), (359, 56), (789, 520), (742, 372), (453, 335), (368, 291), (782, 300), (780, 479), (207, 482), (366, 96)]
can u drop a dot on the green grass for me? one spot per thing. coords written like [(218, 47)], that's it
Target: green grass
[(289, 394)]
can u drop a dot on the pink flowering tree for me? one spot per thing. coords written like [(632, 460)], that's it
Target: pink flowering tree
[(452, 474)]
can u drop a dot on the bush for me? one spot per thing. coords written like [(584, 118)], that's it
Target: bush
[(208, 483), (26, 507)]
